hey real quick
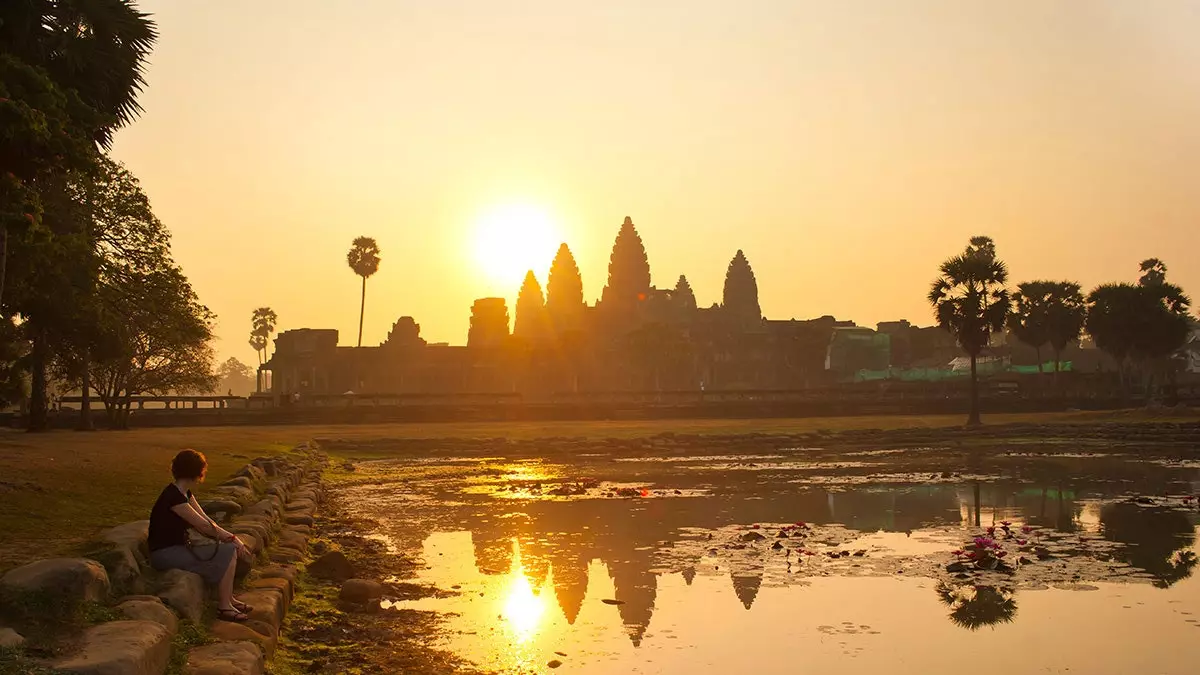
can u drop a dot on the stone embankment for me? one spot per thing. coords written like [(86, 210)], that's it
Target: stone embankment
[(269, 503)]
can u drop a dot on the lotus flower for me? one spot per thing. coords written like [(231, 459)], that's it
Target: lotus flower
[(991, 531), (1005, 523), (958, 552), (971, 554), (1026, 529), (1022, 542)]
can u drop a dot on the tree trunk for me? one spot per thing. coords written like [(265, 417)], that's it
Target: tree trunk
[(38, 419), (362, 308), (973, 416), (1038, 351), (1057, 365), (85, 403)]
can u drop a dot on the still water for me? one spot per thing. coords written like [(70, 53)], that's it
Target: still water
[(785, 562)]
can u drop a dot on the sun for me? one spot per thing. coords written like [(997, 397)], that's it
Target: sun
[(511, 239)]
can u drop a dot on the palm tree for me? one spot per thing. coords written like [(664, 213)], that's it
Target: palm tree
[(363, 258), (259, 343), (262, 325), (1048, 312), (971, 302)]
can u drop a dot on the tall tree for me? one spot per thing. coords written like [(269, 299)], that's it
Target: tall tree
[(970, 301), (530, 323), (683, 296), (564, 292), (1143, 324), (1048, 312), (740, 296), (259, 344), (70, 74), (234, 377), (628, 277), (363, 258), (262, 324), (164, 336)]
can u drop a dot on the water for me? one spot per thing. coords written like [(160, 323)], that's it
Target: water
[(698, 578)]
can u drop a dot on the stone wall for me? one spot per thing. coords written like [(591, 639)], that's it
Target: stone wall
[(269, 503)]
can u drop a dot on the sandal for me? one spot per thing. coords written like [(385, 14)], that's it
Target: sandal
[(241, 606), (233, 615)]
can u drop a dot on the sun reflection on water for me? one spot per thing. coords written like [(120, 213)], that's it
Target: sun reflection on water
[(523, 609)]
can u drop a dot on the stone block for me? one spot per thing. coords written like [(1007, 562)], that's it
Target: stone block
[(120, 648), (235, 493), (124, 567), (333, 566), (270, 507), (10, 638), (297, 518), (282, 586), (149, 608), (285, 556), (252, 472), (293, 539), (130, 535), (285, 572), (361, 590), (259, 633), (225, 658), (221, 510), (239, 481), (71, 580), (268, 605), (184, 592)]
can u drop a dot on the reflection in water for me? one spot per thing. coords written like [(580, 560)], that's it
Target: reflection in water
[(974, 606), (1156, 538), (522, 607), (544, 565)]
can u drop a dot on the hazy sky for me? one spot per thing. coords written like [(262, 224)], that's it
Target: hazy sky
[(847, 146)]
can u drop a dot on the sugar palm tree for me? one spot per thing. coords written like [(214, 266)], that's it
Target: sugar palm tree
[(262, 325), (363, 258), (970, 301)]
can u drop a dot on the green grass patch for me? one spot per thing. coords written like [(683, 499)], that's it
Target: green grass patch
[(190, 635), (13, 661)]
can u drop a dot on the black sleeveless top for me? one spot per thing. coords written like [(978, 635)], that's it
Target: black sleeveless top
[(167, 528)]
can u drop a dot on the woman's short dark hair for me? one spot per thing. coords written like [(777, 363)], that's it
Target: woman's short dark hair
[(189, 465)]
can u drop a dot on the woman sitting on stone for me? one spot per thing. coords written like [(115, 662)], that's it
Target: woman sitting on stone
[(177, 511)]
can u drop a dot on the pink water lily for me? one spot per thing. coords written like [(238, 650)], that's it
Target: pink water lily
[(1026, 529), (1022, 542)]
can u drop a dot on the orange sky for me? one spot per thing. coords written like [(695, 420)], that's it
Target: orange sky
[(847, 147)]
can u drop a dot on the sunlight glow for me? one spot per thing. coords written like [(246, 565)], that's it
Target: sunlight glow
[(511, 239), (523, 609)]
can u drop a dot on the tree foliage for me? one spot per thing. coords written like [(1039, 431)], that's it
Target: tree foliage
[(970, 300), (1143, 323), (234, 377), (262, 324), (739, 299), (363, 258), (1048, 312)]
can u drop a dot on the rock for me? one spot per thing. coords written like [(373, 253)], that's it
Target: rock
[(956, 567), (361, 590), (332, 566), (130, 535), (221, 509), (183, 592), (124, 567), (285, 572), (285, 556), (120, 648), (252, 472), (151, 609), (259, 633), (10, 638), (73, 580), (290, 539), (298, 519), (225, 658), (269, 507), (553, 663), (282, 586), (239, 481), (268, 605), (301, 505), (752, 536), (236, 493)]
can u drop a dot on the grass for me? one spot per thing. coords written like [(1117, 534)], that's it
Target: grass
[(60, 489)]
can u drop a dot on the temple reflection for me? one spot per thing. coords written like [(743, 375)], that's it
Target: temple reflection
[(551, 547)]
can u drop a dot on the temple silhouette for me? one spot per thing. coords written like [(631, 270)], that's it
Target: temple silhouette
[(636, 337)]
